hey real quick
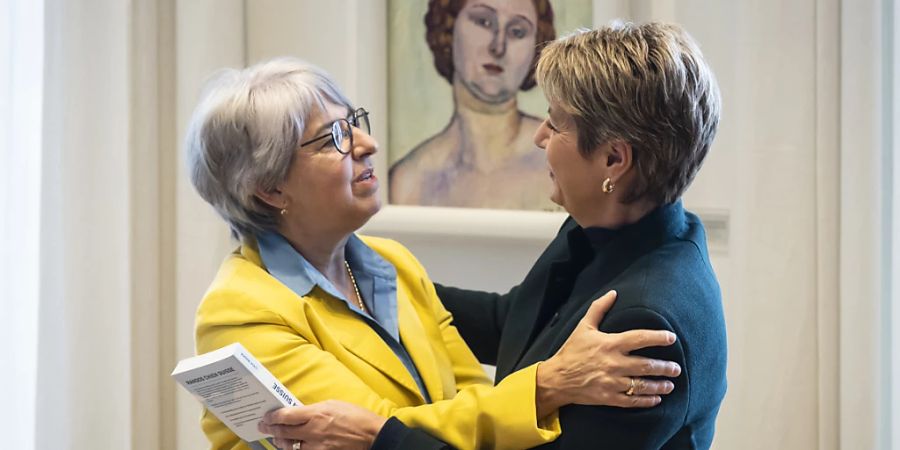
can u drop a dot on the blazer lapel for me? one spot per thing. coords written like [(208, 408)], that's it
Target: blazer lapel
[(358, 338), (361, 340), (536, 295), (590, 284), (417, 342)]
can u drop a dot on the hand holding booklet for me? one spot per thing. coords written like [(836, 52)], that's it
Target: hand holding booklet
[(235, 387)]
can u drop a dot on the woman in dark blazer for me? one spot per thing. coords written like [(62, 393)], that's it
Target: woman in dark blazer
[(633, 112), (660, 268)]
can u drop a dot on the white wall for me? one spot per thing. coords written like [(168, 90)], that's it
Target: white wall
[(864, 312), (84, 372), (21, 81), (765, 175), (210, 36), (894, 425), (762, 170)]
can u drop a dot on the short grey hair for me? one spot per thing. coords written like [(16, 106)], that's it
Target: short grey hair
[(647, 85), (244, 134)]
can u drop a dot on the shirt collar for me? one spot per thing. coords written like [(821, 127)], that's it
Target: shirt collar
[(364, 260), (290, 267)]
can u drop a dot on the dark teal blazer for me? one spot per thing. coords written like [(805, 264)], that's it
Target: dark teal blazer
[(661, 269)]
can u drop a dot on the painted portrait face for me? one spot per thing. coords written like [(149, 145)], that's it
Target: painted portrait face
[(493, 47)]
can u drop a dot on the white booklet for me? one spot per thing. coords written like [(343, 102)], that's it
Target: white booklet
[(235, 387)]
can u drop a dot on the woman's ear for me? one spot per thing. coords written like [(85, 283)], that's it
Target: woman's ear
[(618, 158), (274, 198)]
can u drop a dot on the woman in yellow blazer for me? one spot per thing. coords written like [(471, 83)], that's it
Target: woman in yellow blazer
[(281, 155)]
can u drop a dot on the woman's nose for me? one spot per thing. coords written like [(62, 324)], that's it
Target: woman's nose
[(498, 44), (541, 135), (363, 144)]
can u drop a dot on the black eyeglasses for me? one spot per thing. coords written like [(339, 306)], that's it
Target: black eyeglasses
[(341, 132)]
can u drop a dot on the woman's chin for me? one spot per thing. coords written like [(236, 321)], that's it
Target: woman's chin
[(556, 197), (370, 207), (376, 206), (492, 92)]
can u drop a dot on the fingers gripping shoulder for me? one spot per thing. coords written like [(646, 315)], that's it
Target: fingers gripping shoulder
[(643, 325)]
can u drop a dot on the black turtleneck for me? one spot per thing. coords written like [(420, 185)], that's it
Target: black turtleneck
[(587, 245)]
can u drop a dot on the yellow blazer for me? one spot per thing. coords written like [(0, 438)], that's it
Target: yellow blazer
[(322, 350)]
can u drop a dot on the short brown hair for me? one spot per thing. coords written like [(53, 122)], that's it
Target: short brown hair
[(439, 22), (647, 85)]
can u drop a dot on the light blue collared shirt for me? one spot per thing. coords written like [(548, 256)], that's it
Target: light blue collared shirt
[(375, 278)]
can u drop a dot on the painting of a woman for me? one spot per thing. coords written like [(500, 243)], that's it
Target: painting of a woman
[(484, 157)]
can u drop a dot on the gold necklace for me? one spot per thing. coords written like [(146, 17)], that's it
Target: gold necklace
[(359, 301)]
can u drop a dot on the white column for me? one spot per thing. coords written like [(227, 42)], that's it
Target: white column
[(21, 72), (827, 161), (862, 336), (894, 234), (210, 36), (152, 122), (84, 362)]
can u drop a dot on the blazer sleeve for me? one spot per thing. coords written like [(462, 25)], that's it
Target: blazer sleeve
[(480, 416), (394, 435), (479, 316), (602, 427)]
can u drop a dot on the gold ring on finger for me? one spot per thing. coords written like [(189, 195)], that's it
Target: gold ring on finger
[(630, 390)]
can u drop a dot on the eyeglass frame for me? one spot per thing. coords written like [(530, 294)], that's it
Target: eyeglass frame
[(353, 121)]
